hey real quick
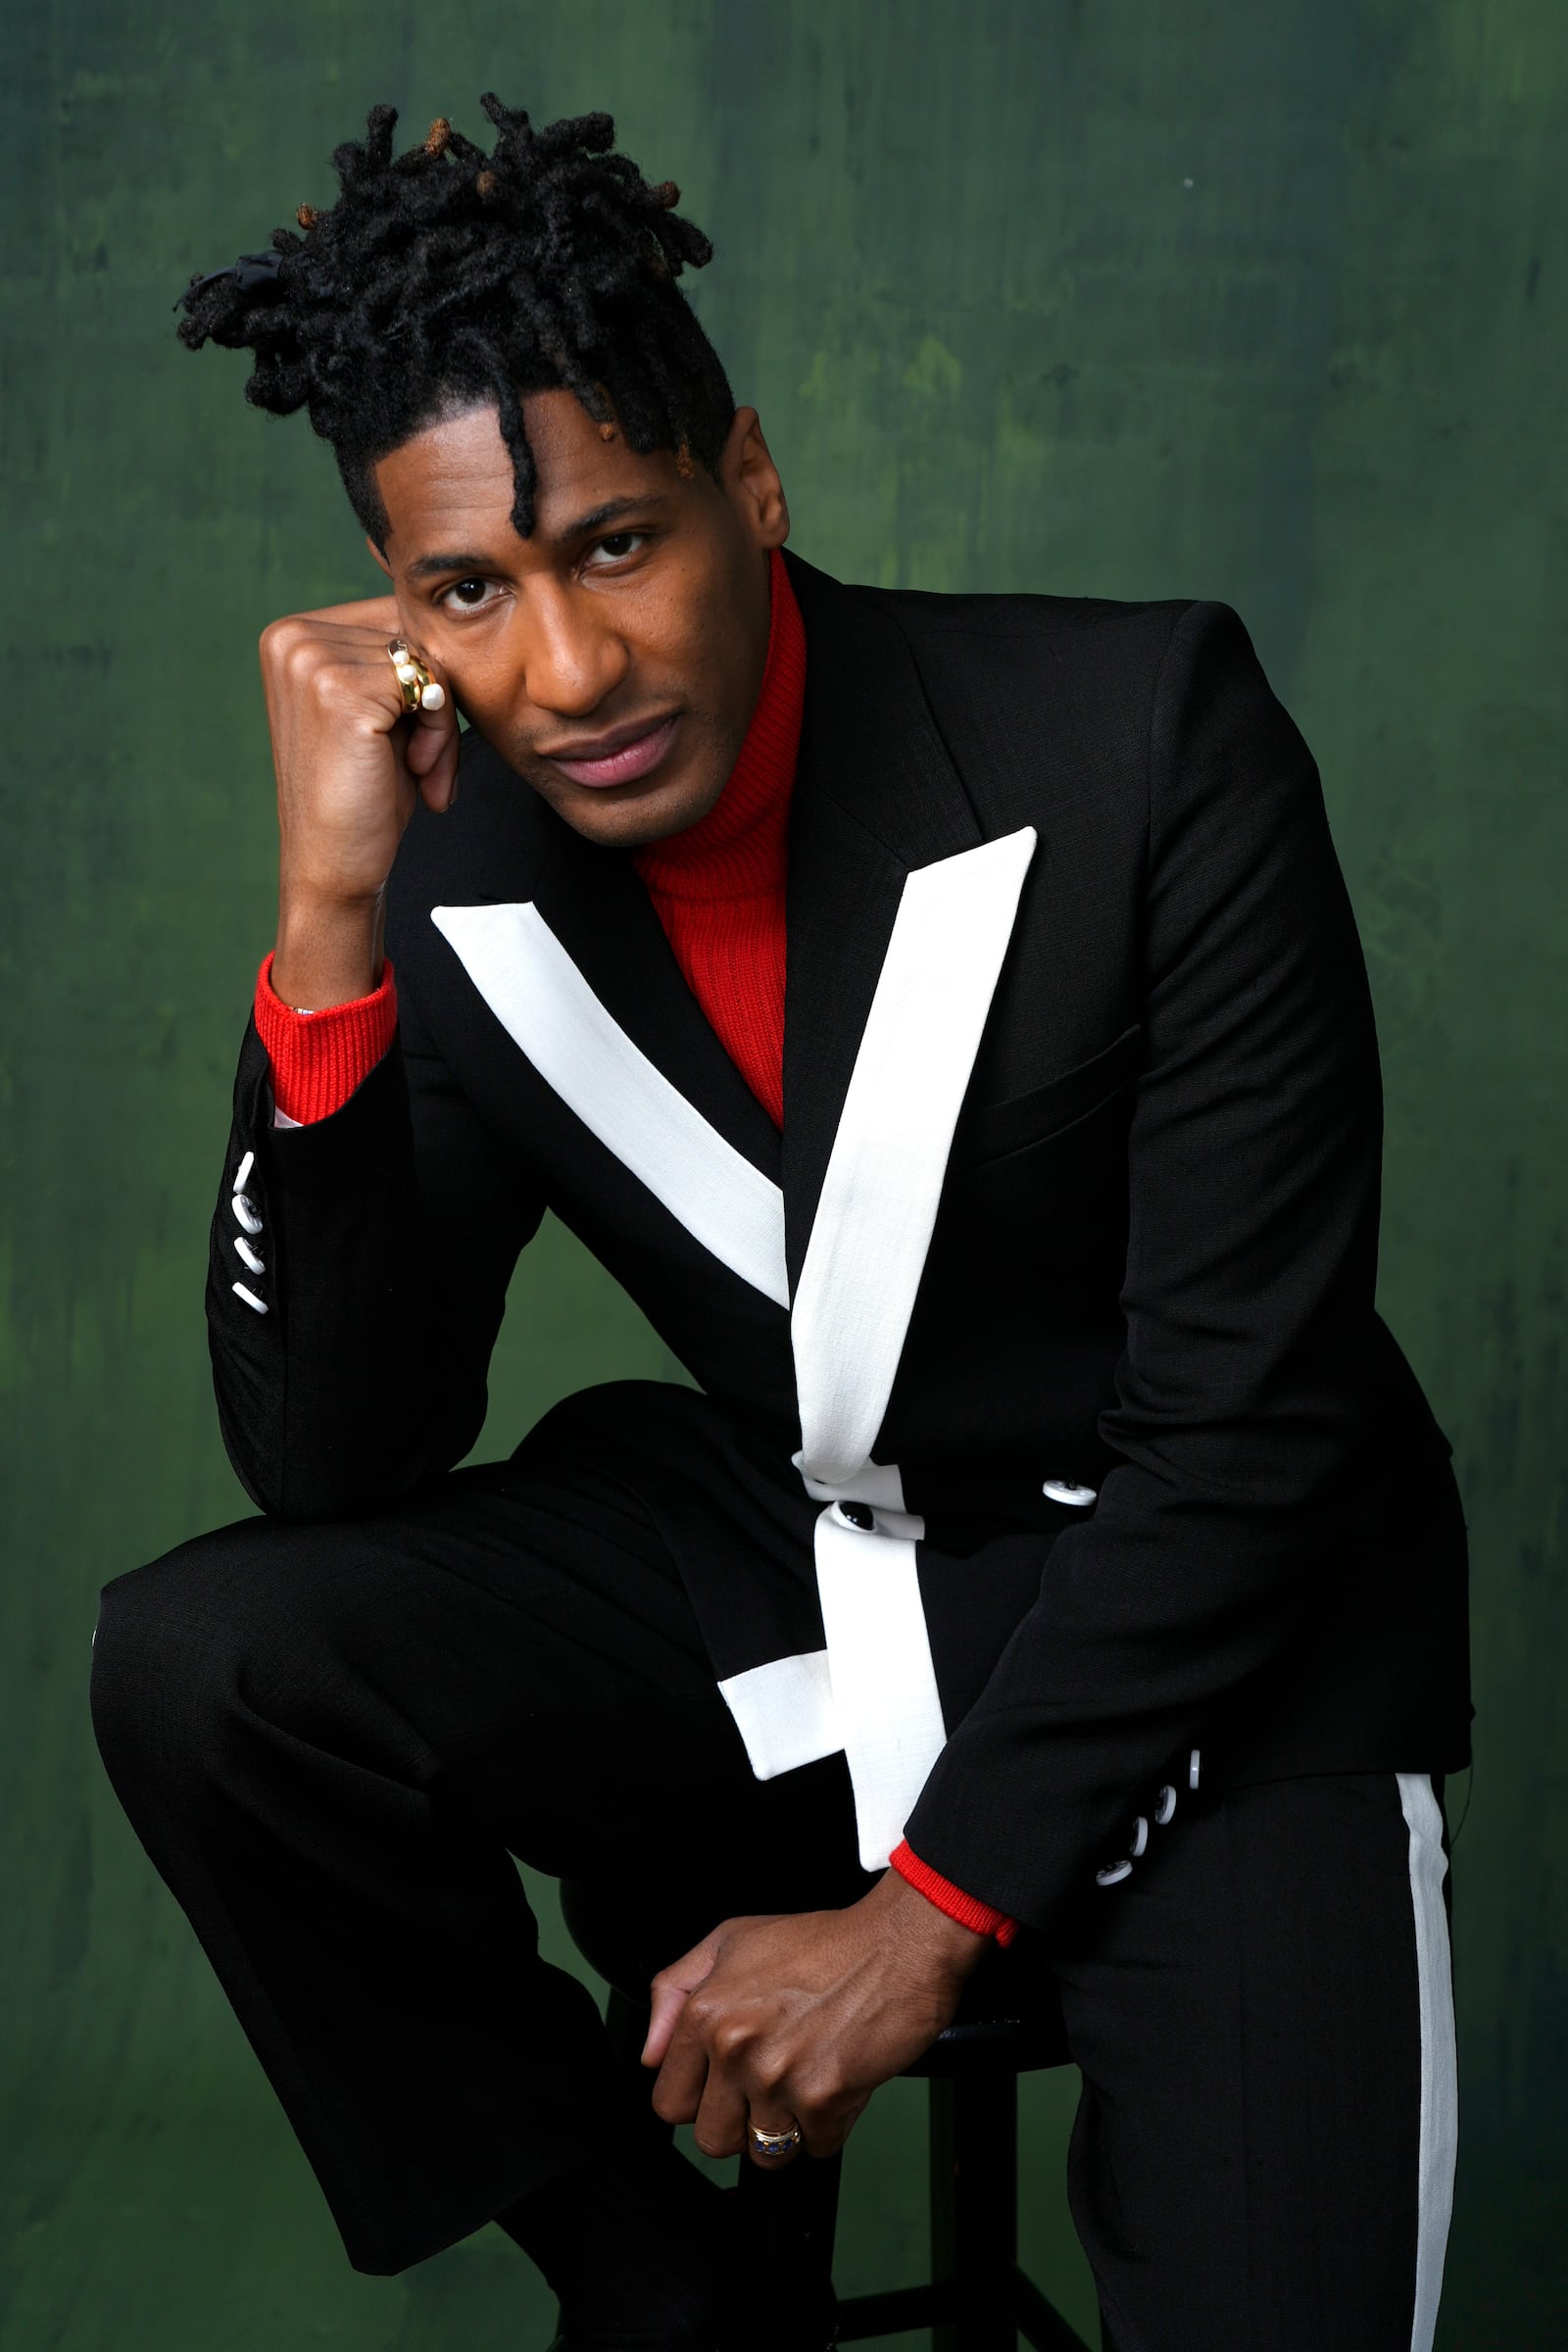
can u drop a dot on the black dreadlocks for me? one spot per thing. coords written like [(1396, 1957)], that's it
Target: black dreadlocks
[(445, 275)]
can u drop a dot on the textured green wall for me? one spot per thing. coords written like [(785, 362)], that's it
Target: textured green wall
[(1264, 303)]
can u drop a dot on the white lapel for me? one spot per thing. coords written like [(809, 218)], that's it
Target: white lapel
[(878, 1204), (874, 1689), (546, 1007), (887, 1709)]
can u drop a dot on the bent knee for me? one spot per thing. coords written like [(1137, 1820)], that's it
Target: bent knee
[(173, 1638)]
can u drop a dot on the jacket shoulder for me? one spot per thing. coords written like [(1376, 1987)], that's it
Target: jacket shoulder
[(1062, 661), (1085, 646), (1108, 633), (1042, 701)]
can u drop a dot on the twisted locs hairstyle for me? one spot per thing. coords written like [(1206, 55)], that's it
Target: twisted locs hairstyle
[(445, 275)]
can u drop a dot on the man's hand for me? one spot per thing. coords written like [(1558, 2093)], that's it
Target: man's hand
[(797, 2019), (351, 765)]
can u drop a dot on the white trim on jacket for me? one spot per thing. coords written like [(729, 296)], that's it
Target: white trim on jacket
[(872, 1690)]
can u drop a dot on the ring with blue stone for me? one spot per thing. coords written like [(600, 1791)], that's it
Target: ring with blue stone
[(776, 2143)]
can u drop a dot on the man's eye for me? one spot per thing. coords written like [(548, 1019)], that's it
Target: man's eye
[(620, 545), (468, 591)]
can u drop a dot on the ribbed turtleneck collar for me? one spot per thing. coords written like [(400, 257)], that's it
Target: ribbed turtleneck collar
[(737, 850)]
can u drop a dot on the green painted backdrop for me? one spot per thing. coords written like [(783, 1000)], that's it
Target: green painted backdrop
[(1264, 303)]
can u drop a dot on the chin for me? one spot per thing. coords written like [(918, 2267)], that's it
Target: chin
[(627, 818)]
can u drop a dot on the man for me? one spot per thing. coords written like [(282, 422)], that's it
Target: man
[(943, 1014)]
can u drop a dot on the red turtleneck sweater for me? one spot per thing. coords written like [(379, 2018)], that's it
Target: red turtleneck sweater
[(718, 891), (718, 887)]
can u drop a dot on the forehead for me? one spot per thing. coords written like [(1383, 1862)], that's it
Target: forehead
[(451, 485)]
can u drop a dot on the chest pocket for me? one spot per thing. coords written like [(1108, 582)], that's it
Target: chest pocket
[(994, 1129)]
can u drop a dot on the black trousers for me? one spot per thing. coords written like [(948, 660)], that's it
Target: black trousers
[(331, 1739)]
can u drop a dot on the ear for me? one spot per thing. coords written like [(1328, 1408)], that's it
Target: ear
[(379, 558), (750, 480)]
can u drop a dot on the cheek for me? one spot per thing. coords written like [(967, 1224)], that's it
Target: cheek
[(698, 636), (485, 677)]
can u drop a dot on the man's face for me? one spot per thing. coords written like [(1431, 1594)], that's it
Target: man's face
[(614, 658)]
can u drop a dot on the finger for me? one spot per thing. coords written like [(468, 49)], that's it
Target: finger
[(433, 711), (683, 2076), (431, 739), (426, 743), (776, 2124), (825, 2130), (432, 748), (719, 2124), (668, 2001), (668, 1994), (378, 613), (432, 730), (438, 787)]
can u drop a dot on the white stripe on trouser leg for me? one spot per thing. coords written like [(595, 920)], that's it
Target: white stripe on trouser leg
[(1440, 2090)]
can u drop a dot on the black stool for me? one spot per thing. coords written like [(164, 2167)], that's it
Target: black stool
[(1010, 2023)]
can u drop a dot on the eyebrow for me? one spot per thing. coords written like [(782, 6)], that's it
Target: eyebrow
[(425, 567)]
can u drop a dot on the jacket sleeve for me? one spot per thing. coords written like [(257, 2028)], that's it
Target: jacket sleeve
[(355, 1369), (1251, 1258)]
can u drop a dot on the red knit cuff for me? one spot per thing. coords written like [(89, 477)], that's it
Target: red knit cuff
[(951, 1900), (318, 1058)]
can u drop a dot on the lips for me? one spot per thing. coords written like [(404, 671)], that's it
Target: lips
[(627, 759)]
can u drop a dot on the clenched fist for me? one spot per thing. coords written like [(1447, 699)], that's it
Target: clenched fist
[(351, 764)]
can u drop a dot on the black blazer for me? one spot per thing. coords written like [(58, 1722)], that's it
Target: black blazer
[(1060, 1275)]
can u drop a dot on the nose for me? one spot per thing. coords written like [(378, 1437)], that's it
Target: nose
[(571, 655)]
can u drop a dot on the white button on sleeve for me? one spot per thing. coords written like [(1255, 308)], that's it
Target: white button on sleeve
[(1139, 1836), (1166, 1806), (1062, 1490), (1192, 1768), (1113, 1874), (247, 1256), (248, 1297), (243, 1174), (245, 1215)]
